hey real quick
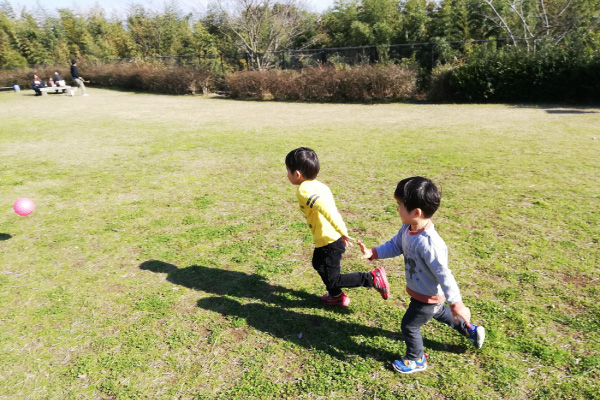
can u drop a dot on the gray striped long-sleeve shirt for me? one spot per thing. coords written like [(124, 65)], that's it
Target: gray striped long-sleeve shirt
[(428, 278)]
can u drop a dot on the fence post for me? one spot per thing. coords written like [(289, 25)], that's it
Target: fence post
[(373, 55), (324, 57), (222, 65), (247, 58), (432, 47)]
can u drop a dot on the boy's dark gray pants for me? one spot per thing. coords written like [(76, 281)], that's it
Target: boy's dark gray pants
[(327, 262), (417, 315)]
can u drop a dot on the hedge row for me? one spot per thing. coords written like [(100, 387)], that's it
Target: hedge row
[(150, 78), (515, 76), (365, 83), (143, 78), (505, 76), (23, 77)]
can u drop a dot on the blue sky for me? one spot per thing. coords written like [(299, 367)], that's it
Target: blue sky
[(121, 6)]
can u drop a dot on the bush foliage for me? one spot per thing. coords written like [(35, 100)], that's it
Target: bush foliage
[(508, 75), (363, 83), (137, 77), (513, 75)]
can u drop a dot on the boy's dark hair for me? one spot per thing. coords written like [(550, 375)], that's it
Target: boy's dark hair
[(304, 160), (419, 192), (73, 62)]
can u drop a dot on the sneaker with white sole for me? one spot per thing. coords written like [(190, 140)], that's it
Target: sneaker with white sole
[(405, 366), (380, 282), (341, 300), (476, 334)]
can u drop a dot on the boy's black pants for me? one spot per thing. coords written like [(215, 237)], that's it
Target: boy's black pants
[(327, 262)]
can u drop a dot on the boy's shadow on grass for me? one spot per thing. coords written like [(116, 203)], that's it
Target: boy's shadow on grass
[(233, 283), (339, 339), (4, 236)]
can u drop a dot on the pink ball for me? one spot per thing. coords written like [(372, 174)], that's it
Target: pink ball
[(23, 206)]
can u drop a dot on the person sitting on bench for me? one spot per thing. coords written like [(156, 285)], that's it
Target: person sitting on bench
[(58, 80), (37, 84)]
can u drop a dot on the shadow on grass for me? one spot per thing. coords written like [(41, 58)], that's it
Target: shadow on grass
[(4, 236), (339, 339), (222, 282), (561, 108), (571, 112)]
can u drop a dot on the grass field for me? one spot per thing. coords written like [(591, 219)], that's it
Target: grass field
[(167, 257)]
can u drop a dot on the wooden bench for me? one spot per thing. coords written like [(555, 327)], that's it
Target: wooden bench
[(58, 89)]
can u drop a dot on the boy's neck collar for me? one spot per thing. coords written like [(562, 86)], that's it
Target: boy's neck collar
[(419, 229)]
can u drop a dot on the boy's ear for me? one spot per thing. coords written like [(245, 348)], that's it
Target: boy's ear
[(417, 213)]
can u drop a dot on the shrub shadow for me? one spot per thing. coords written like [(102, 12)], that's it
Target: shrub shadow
[(571, 112), (268, 310), (560, 108), (4, 236)]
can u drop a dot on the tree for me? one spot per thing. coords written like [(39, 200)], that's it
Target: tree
[(261, 27), (552, 20), (383, 18), (414, 21), (362, 23), (30, 43), (141, 26), (9, 55), (77, 36), (450, 20), (338, 21)]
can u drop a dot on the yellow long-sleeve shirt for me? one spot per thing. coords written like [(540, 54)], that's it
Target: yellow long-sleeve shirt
[(324, 220)]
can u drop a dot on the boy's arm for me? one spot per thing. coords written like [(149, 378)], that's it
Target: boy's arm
[(391, 248), (437, 260)]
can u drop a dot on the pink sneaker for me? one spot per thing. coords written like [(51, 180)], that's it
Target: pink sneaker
[(342, 300), (380, 282)]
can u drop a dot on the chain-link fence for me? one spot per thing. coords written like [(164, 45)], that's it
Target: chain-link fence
[(425, 55)]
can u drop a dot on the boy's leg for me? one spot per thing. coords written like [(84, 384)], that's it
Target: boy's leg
[(327, 262), (417, 315), (473, 332), (445, 315)]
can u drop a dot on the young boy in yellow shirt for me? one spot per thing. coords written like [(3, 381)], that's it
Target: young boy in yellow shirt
[(329, 231)]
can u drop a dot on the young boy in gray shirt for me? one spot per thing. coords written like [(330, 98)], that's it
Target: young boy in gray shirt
[(429, 281)]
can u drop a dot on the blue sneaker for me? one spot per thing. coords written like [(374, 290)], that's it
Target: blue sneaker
[(476, 334), (405, 366)]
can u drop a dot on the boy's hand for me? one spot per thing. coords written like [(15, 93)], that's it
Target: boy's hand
[(367, 253), (348, 240), (462, 311)]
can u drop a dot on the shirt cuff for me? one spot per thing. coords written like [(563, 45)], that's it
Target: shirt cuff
[(375, 256)]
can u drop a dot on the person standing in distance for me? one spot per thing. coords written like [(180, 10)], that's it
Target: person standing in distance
[(76, 78)]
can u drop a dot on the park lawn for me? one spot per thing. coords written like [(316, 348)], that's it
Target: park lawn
[(167, 257)]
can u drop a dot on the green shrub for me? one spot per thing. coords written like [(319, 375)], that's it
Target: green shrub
[(365, 83), (439, 84), (514, 75)]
